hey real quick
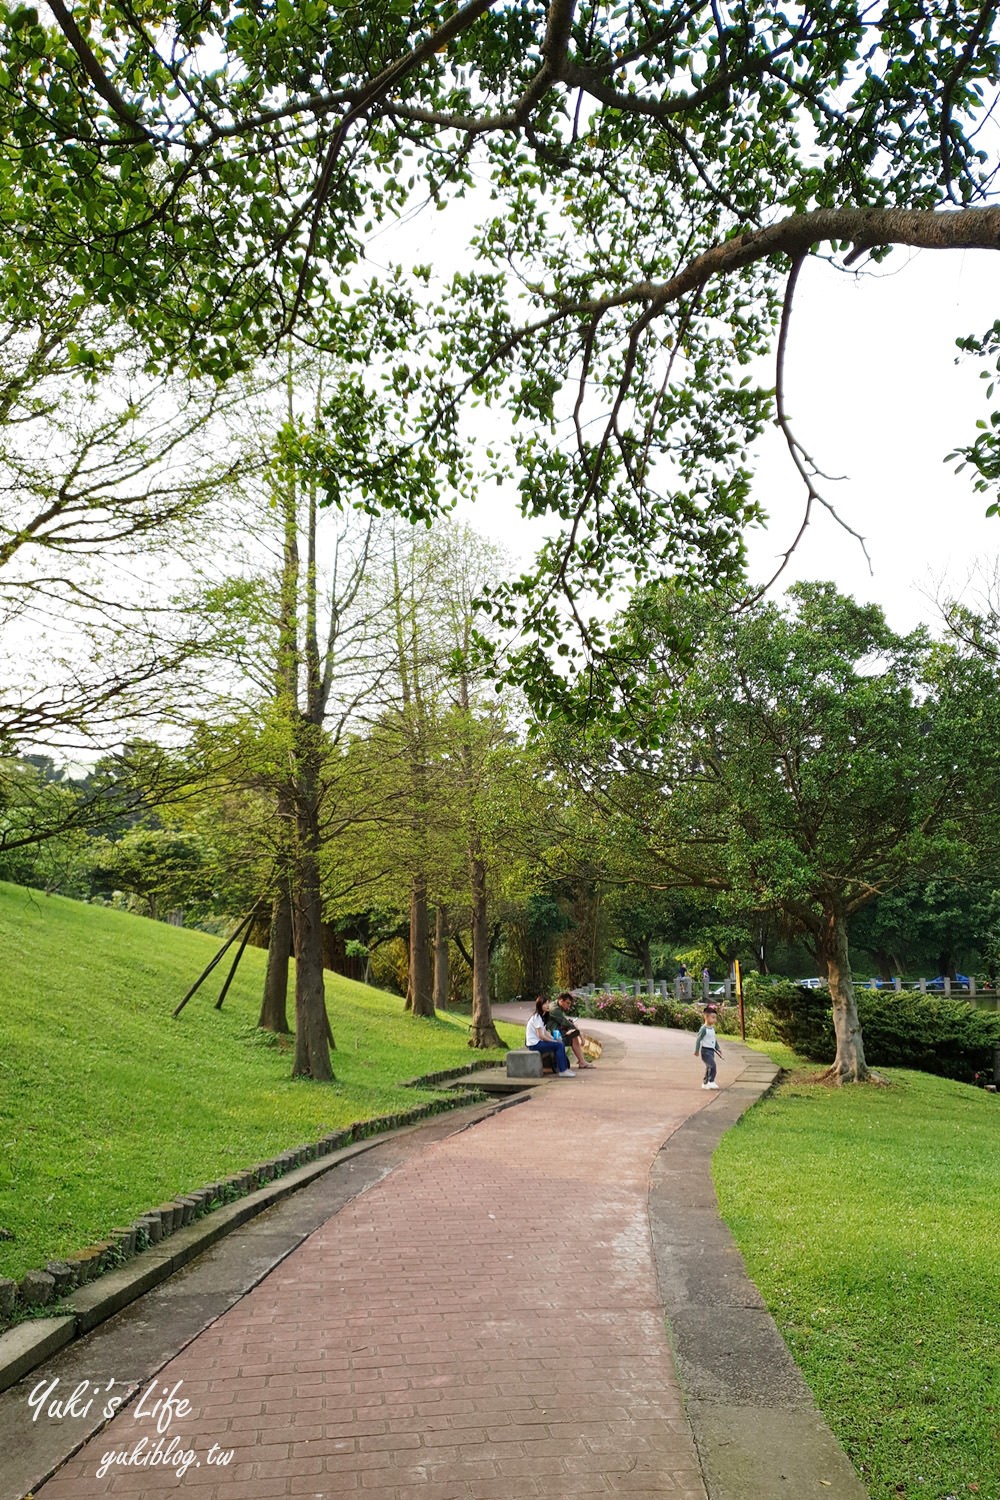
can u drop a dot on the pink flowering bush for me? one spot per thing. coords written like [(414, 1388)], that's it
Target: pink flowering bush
[(653, 1010), (608, 1006), (643, 1010)]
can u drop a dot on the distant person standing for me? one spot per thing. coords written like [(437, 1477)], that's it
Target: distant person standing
[(707, 1047)]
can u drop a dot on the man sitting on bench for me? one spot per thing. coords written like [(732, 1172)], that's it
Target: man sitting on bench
[(560, 1020)]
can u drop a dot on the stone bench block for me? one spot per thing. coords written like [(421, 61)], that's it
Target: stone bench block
[(522, 1062)]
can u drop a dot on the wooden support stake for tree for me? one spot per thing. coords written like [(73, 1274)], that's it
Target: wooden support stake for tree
[(236, 961), (222, 951)]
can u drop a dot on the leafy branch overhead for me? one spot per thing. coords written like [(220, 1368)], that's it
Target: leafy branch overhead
[(224, 176)]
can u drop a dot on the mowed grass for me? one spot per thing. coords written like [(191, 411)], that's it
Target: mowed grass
[(108, 1106), (868, 1219)]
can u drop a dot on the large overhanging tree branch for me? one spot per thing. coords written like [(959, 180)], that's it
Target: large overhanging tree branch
[(653, 168), (106, 479), (307, 121)]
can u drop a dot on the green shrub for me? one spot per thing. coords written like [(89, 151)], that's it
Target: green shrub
[(682, 1015), (761, 989), (904, 1029), (802, 1019), (760, 1023), (936, 1034)]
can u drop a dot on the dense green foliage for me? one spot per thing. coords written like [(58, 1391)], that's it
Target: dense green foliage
[(108, 1106), (218, 176), (819, 760), (946, 1036), (867, 1218)]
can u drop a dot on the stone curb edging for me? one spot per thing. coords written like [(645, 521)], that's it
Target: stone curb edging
[(756, 1426), (95, 1283)]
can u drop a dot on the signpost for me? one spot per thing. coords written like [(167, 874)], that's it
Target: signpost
[(739, 998)]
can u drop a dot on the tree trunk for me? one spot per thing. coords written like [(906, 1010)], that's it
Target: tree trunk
[(312, 1025), (762, 936), (274, 1007), (647, 966), (482, 1032), (442, 967), (419, 991), (849, 1065), (885, 963)]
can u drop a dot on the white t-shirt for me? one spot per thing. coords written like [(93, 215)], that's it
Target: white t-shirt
[(708, 1040), (533, 1030)]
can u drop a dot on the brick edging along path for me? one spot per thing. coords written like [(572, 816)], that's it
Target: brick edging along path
[(483, 1321)]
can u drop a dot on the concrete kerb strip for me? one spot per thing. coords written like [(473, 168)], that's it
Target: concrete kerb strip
[(756, 1427), (29, 1344)]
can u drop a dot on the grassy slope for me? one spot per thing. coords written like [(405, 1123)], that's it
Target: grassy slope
[(868, 1219), (108, 1106)]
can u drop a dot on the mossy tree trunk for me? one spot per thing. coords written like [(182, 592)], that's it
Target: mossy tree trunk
[(274, 1006), (419, 987), (849, 1065)]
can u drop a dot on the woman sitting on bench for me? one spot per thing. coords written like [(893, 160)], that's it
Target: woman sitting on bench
[(540, 1040)]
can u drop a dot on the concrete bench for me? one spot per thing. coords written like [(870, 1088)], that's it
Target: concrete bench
[(524, 1062)]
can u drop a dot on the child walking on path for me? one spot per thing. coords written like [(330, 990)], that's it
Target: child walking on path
[(708, 1047)]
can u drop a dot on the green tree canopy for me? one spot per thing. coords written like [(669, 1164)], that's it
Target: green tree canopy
[(815, 760), (657, 174)]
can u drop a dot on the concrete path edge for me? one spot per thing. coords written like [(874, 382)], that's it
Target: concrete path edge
[(757, 1430)]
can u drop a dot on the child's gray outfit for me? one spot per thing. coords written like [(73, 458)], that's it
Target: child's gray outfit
[(706, 1044)]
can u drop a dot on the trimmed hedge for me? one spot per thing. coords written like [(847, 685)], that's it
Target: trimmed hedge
[(904, 1029)]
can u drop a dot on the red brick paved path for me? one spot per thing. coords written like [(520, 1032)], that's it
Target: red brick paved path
[(418, 1344)]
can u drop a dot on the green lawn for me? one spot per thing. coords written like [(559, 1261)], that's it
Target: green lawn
[(869, 1220), (108, 1106)]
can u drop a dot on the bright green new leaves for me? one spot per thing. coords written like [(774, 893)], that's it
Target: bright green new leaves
[(807, 759)]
